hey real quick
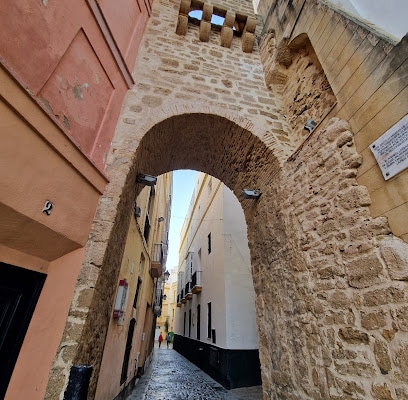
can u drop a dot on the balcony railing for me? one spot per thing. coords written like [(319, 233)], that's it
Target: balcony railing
[(157, 260), (183, 297), (188, 292), (179, 300), (196, 282)]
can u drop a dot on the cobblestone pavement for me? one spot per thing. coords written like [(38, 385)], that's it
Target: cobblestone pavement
[(170, 376)]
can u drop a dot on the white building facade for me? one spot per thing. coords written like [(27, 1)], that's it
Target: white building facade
[(215, 325)]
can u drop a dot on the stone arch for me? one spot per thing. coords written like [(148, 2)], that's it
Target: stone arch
[(209, 143), (318, 259), (169, 109), (224, 147)]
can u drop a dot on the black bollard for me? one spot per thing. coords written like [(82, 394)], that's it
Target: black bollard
[(77, 388)]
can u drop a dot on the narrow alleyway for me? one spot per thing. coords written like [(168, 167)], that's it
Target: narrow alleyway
[(172, 377)]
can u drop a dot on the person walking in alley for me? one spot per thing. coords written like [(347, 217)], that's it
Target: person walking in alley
[(160, 339), (168, 339)]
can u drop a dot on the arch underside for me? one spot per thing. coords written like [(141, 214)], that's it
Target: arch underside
[(211, 144)]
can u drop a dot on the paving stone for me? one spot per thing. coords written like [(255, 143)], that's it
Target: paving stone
[(171, 376)]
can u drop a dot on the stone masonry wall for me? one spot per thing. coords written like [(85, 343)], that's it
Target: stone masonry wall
[(331, 305), (367, 73), (295, 72), (173, 69)]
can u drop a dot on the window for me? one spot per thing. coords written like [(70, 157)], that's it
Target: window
[(198, 321), (184, 324), (213, 337), (189, 323), (147, 220), (126, 357), (209, 242), (146, 228), (139, 284), (209, 320), (215, 19)]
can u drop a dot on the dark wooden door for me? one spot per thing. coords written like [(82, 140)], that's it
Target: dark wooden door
[(19, 292)]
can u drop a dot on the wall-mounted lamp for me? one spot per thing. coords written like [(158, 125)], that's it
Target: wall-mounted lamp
[(164, 297), (161, 219), (310, 125), (148, 180), (121, 296), (166, 276), (251, 193)]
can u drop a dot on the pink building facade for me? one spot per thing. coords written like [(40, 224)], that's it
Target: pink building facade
[(64, 71)]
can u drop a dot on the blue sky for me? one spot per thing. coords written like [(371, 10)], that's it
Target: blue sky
[(183, 186)]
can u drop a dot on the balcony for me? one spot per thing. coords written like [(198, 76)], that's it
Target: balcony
[(183, 298), (179, 300), (196, 282), (157, 261), (188, 292)]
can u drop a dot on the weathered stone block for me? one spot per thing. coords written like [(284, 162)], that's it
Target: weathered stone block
[(344, 354), (68, 352), (382, 357), (383, 296), (226, 36), (373, 320), (185, 6), (364, 272), (85, 298), (182, 25), (355, 197), (350, 387), (355, 368), (381, 392), (248, 40), (395, 254), (204, 31), (353, 336), (354, 161), (56, 383), (229, 19), (401, 360), (389, 334), (402, 318), (72, 331), (207, 12), (344, 138), (250, 25), (340, 299), (280, 378)]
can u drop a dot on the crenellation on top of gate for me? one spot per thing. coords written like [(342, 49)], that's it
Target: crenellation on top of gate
[(234, 23)]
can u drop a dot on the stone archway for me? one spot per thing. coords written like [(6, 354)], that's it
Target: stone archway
[(320, 262), (212, 143), (329, 279)]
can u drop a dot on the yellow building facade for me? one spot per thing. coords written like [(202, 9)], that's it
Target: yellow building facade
[(169, 305), (130, 336)]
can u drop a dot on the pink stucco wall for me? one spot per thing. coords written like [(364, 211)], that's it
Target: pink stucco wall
[(30, 376), (75, 57), (64, 71)]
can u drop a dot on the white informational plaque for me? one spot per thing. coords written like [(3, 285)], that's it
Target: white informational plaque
[(391, 149)]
